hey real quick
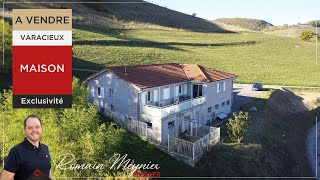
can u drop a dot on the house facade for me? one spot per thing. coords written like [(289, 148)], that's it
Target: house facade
[(165, 96)]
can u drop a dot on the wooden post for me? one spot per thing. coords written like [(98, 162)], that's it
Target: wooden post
[(193, 151), (191, 128), (146, 127), (168, 143)]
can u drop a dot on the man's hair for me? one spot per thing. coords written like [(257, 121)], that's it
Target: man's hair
[(31, 116)]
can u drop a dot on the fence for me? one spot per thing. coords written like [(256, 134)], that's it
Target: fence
[(205, 138), (137, 127), (200, 138)]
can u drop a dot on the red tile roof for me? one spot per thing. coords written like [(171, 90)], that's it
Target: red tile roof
[(153, 75)]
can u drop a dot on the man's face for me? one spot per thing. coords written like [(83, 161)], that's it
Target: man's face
[(33, 129)]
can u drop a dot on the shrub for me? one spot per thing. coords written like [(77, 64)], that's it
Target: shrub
[(238, 126), (306, 35)]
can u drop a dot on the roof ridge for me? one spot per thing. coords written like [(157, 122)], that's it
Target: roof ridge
[(223, 72), (198, 69), (203, 72)]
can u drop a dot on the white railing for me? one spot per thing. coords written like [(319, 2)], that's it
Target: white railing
[(172, 108), (193, 151)]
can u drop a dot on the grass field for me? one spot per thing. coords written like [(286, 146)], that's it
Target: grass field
[(252, 56)]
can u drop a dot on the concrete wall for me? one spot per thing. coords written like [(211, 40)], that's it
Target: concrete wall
[(124, 99), (155, 131), (213, 98)]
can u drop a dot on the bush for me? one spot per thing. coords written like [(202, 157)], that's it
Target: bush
[(238, 126), (7, 37), (314, 23), (306, 35)]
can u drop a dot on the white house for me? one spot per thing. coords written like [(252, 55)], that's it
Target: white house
[(162, 95)]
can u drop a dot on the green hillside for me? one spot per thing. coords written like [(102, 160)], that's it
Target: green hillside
[(243, 23), (289, 30), (252, 56), (135, 14)]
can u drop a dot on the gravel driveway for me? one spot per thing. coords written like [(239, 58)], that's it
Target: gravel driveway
[(242, 93)]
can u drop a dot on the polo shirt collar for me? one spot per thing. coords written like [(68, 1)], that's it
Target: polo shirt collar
[(30, 146)]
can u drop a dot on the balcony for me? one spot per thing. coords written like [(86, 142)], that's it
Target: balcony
[(153, 110)]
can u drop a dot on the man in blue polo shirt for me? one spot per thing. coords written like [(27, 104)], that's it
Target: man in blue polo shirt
[(30, 159)]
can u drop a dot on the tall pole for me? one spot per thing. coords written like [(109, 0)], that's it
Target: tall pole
[(317, 36)]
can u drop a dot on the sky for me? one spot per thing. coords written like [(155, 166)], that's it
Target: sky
[(276, 12)]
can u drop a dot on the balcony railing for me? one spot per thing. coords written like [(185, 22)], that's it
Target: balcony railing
[(172, 108)]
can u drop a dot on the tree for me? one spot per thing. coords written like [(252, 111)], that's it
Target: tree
[(238, 126), (306, 35), (7, 36), (314, 23)]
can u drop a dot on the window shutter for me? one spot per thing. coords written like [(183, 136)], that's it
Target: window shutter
[(166, 93), (143, 98), (185, 91), (224, 86), (177, 91), (102, 92), (92, 91), (218, 87), (155, 95)]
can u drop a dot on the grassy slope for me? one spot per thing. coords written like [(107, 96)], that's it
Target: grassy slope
[(252, 56), (293, 31), (244, 23)]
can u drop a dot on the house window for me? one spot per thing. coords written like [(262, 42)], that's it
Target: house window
[(148, 96), (111, 92), (223, 104), (197, 90), (99, 91), (216, 106), (149, 124), (180, 89), (228, 102), (111, 107), (209, 109), (170, 124), (221, 86)]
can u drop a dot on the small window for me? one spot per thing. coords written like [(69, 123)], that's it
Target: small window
[(149, 124), (216, 106), (220, 86), (148, 96), (187, 118), (171, 124), (99, 91), (111, 107), (223, 104), (228, 102), (111, 92), (180, 89), (209, 109)]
